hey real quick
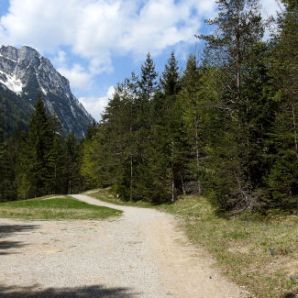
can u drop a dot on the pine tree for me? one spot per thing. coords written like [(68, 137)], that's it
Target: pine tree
[(57, 166), (170, 83), (147, 88), (163, 170), (7, 165), (72, 164), (283, 178), (109, 156), (147, 82), (239, 30), (37, 168), (190, 103), (88, 165)]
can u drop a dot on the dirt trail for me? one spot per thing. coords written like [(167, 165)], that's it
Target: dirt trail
[(182, 269), (141, 254)]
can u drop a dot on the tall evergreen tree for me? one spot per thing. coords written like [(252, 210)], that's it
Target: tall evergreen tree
[(37, 166), (147, 88), (110, 155), (7, 165), (58, 163), (239, 29), (72, 164), (164, 171), (283, 178), (191, 106)]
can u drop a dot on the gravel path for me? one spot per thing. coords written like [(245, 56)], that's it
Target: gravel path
[(140, 254)]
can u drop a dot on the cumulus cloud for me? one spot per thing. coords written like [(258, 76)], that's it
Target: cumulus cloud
[(96, 106), (79, 78), (60, 58), (43, 24), (270, 7), (95, 31), (98, 29)]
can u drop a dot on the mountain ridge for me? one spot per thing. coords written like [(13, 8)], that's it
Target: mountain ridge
[(24, 76)]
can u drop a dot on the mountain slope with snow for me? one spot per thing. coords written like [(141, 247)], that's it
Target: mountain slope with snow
[(24, 76)]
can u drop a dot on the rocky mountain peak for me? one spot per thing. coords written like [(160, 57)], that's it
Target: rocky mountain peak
[(26, 74)]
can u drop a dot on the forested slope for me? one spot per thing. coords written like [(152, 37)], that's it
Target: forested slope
[(225, 127)]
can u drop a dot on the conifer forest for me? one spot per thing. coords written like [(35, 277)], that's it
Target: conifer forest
[(225, 126)]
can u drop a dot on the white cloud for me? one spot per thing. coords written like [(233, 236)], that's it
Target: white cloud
[(270, 7), (42, 24), (98, 30), (60, 58), (79, 78), (96, 106)]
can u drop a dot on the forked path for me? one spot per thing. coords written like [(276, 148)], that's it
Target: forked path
[(143, 253), (151, 255)]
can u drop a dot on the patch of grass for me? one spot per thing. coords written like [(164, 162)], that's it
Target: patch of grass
[(54, 208), (106, 195), (258, 252)]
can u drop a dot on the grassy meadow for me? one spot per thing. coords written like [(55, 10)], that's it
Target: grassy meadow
[(57, 208)]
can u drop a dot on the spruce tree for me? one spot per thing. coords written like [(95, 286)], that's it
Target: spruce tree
[(238, 29), (72, 164), (37, 167), (147, 88), (164, 171), (191, 106), (57, 159), (7, 166), (110, 155), (283, 178)]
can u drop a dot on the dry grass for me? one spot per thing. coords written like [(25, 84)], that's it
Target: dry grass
[(260, 253)]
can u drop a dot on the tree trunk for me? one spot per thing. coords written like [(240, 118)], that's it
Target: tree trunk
[(55, 175), (173, 199), (294, 121), (238, 58), (197, 155), (131, 176), (131, 155), (183, 186)]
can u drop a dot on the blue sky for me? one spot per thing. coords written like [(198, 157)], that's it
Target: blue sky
[(97, 43)]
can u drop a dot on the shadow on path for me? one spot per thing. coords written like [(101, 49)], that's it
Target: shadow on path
[(6, 230), (82, 292), (10, 244)]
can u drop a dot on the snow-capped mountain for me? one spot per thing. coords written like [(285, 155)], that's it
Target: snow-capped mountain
[(25, 75)]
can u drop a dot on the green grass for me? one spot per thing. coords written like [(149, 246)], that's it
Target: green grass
[(107, 195), (258, 252), (54, 208)]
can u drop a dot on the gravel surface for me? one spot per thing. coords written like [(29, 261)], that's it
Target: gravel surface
[(140, 254)]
